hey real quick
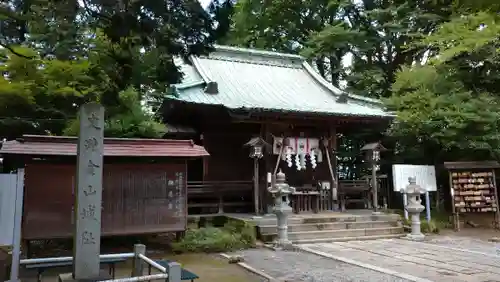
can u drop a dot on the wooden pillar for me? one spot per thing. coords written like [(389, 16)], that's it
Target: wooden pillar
[(256, 189), (268, 167), (333, 152), (374, 186)]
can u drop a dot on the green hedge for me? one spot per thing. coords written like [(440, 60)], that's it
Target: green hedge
[(234, 235)]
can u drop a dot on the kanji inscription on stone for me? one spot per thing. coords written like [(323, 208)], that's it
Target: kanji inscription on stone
[(91, 144), (88, 196), (88, 212), (93, 167), (95, 120), (90, 190), (88, 238)]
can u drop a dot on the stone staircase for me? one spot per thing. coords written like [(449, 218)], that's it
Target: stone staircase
[(333, 227)]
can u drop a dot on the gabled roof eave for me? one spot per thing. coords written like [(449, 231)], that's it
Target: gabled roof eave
[(335, 90), (211, 86), (258, 52)]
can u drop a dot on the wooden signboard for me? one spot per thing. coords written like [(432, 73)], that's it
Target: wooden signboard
[(473, 189), (138, 198)]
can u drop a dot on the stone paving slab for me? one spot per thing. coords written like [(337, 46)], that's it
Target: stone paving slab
[(296, 266), (467, 243), (434, 261)]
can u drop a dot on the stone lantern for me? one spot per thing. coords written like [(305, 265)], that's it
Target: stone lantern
[(280, 192), (372, 155), (414, 207)]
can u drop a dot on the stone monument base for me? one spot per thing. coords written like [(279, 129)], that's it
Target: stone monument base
[(413, 237), (283, 245), (287, 247), (68, 277)]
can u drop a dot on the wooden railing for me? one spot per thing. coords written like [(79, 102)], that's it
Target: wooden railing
[(210, 196), (310, 198), (305, 201), (354, 191)]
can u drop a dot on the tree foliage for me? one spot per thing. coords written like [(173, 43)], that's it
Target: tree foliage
[(435, 63), (374, 34), (452, 102), (59, 54), (287, 26)]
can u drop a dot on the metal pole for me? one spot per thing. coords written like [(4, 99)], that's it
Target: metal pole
[(428, 206), (374, 186), (67, 259), (405, 203), (153, 263), (152, 277), (16, 250)]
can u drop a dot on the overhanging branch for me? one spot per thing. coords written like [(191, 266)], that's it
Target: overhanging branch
[(6, 46)]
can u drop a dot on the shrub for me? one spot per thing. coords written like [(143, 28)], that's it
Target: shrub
[(427, 227), (233, 236), (244, 229)]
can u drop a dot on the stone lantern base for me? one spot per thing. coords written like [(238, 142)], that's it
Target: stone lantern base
[(415, 237), (282, 246)]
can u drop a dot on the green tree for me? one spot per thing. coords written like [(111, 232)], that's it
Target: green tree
[(59, 54), (131, 120), (449, 107), (38, 96), (377, 35), (287, 26)]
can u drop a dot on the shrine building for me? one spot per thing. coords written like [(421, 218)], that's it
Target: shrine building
[(258, 112)]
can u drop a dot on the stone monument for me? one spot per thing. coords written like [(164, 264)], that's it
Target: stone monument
[(88, 197), (281, 208), (414, 208)]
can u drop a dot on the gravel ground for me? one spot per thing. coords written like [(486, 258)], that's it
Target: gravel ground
[(467, 243), (300, 266)]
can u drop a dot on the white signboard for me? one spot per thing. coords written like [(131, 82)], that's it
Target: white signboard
[(424, 174)]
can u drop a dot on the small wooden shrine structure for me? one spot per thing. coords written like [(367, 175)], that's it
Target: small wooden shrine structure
[(144, 184), (234, 95), (473, 190)]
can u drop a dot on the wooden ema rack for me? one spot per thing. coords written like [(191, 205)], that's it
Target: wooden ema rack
[(473, 189)]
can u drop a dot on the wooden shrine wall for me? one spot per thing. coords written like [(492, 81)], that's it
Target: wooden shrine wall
[(229, 160), (137, 198)]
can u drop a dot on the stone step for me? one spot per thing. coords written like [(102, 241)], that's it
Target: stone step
[(344, 233), (330, 234), (345, 239), (271, 229), (308, 219)]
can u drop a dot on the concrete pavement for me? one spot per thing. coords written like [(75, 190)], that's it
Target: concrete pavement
[(434, 262)]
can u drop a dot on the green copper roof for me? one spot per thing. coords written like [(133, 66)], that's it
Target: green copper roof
[(259, 80)]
